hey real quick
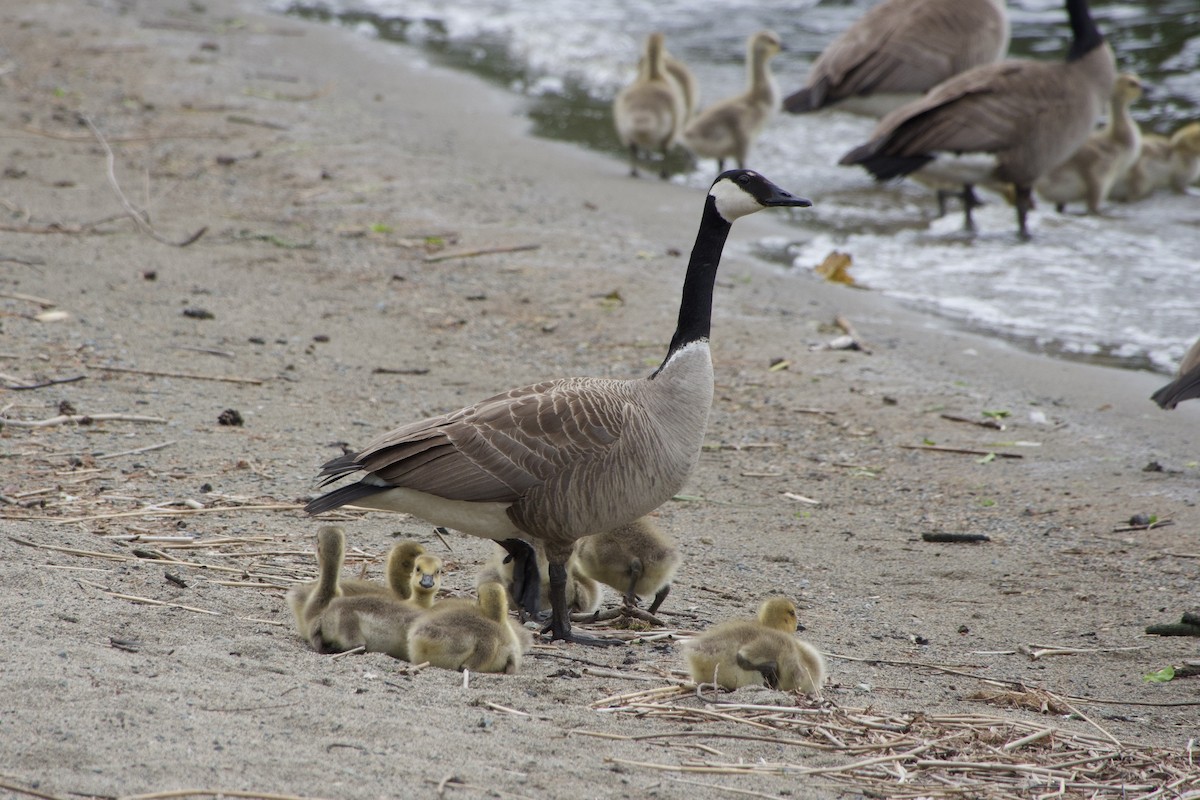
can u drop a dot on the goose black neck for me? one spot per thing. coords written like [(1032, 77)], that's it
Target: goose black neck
[(695, 307), (1086, 37)]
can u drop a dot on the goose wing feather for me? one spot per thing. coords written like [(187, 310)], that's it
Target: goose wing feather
[(908, 47), (500, 448)]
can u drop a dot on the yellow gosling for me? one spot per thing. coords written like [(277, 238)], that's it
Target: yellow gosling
[(756, 652), (460, 635), (637, 559)]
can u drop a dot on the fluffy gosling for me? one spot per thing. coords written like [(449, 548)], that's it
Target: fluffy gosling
[(459, 634), (637, 559), (754, 652)]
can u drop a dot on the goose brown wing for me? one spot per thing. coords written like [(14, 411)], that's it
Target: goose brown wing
[(500, 448)]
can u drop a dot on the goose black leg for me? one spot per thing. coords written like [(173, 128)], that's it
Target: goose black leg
[(560, 615), (1024, 203), (526, 580)]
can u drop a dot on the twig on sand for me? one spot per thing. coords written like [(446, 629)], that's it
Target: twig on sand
[(81, 419), (482, 251), (150, 601), (137, 450), (137, 216), (965, 451), (212, 793), (12, 787), (188, 375), (44, 384)]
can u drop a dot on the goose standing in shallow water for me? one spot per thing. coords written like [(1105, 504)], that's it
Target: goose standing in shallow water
[(1008, 122), (571, 457), (728, 128), (900, 49), (754, 652), (650, 113), (1107, 154)]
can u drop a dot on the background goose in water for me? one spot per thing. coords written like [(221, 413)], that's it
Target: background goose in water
[(571, 457), (900, 49), (728, 128), (1008, 122)]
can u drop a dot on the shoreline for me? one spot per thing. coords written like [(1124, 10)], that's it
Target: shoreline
[(334, 176)]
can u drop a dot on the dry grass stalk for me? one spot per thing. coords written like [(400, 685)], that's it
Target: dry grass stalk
[(924, 755)]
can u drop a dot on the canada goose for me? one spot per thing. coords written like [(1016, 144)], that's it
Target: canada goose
[(1163, 162), (898, 50), (636, 559), (1106, 155), (650, 112), (1186, 385), (753, 652), (459, 634), (1011, 121), (727, 129), (571, 457), (583, 593), (686, 81), (308, 600)]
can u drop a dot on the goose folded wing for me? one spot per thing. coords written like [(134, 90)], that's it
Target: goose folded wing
[(496, 450)]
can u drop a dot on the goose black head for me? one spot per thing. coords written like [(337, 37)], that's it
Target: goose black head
[(738, 192)]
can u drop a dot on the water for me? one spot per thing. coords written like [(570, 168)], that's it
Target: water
[(1122, 288)]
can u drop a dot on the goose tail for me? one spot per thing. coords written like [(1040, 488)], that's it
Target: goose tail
[(341, 496)]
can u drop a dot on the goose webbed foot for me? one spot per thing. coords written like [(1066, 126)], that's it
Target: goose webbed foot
[(526, 580), (560, 616)]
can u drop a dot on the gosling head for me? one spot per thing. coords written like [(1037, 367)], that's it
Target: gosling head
[(1127, 88), (738, 192), (331, 544), (767, 43), (778, 613), (427, 573)]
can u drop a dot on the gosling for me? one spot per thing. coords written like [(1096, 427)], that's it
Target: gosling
[(379, 622), (637, 559), (308, 600), (1163, 163), (751, 653), (1090, 174), (400, 578), (649, 114), (728, 128), (461, 635)]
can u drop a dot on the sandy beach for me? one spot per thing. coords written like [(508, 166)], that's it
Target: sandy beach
[(341, 238)]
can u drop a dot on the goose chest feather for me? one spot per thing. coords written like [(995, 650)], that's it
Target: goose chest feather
[(566, 458)]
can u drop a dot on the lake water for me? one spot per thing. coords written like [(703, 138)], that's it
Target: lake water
[(1122, 288)]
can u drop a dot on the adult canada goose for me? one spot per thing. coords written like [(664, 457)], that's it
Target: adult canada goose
[(459, 634), (754, 652), (1107, 154), (900, 49), (1186, 385), (570, 457), (583, 593), (650, 112), (728, 128), (1163, 162), (636, 559), (308, 600), (1010, 122)]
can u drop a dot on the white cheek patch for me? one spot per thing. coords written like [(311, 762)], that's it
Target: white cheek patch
[(732, 200)]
